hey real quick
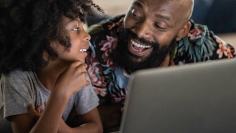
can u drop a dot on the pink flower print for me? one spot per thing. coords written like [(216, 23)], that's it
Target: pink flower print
[(194, 34), (223, 49), (102, 42), (110, 63), (229, 53), (100, 91), (120, 21), (119, 24), (111, 26), (114, 24), (91, 58), (126, 74), (94, 72), (119, 98), (108, 46), (182, 63)]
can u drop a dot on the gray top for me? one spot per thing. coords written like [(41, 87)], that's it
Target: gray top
[(19, 89)]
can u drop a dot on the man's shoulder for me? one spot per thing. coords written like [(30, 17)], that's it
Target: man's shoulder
[(201, 44)]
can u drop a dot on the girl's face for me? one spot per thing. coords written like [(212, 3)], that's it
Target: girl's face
[(79, 42)]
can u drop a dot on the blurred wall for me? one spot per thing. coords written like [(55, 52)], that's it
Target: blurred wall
[(114, 7), (218, 15)]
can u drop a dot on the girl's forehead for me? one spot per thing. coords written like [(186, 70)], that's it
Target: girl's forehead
[(66, 20)]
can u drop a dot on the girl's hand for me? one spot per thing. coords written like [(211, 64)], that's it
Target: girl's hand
[(36, 112), (73, 78)]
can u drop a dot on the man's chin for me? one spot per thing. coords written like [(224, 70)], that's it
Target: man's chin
[(136, 59)]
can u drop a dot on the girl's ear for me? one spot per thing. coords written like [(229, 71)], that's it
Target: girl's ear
[(184, 31)]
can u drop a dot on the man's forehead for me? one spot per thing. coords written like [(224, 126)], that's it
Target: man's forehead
[(175, 8), (176, 3), (139, 0)]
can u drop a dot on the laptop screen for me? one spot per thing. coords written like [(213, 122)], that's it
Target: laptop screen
[(198, 98)]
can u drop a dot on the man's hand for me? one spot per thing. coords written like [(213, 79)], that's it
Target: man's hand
[(168, 61), (35, 113)]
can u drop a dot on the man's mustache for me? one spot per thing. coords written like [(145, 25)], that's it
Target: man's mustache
[(142, 40)]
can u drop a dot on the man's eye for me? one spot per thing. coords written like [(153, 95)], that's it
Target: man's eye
[(159, 27), (134, 14)]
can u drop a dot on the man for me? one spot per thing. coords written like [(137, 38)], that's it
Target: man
[(153, 33)]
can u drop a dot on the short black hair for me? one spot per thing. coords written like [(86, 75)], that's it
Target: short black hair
[(28, 26)]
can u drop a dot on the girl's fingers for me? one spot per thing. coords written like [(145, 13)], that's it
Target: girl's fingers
[(87, 83), (82, 67), (31, 109), (38, 108), (76, 64)]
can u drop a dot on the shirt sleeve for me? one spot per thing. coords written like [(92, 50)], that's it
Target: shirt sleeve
[(17, 94), (86, 99)]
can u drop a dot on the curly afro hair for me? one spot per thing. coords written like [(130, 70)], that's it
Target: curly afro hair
[(28, 26)]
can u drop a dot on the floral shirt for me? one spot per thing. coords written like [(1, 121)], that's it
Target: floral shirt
[(110, 83)]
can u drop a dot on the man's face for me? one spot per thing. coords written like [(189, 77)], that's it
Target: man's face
[(156, 21), (149, 32), (131, 62)]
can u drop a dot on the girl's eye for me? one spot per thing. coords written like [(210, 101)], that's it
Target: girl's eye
[(77, 28)]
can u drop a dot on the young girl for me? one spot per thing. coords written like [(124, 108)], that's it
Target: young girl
[(43, 48)]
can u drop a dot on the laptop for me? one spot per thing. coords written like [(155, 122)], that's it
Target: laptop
[(196, 98)]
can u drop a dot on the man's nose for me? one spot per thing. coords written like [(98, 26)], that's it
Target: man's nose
[(143, 30)]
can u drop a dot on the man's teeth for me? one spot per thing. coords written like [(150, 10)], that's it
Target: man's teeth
[(139, 45), (83, 50)]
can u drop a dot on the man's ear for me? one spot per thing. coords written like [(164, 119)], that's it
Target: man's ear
[(184, 31)]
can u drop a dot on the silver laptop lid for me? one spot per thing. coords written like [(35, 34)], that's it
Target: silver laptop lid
[(198, 98)]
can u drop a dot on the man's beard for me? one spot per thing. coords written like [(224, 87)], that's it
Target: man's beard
[(123, 57)]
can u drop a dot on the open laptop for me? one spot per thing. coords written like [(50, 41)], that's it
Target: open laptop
[(197, 98)]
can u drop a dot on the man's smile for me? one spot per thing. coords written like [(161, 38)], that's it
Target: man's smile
[(138, 48)]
